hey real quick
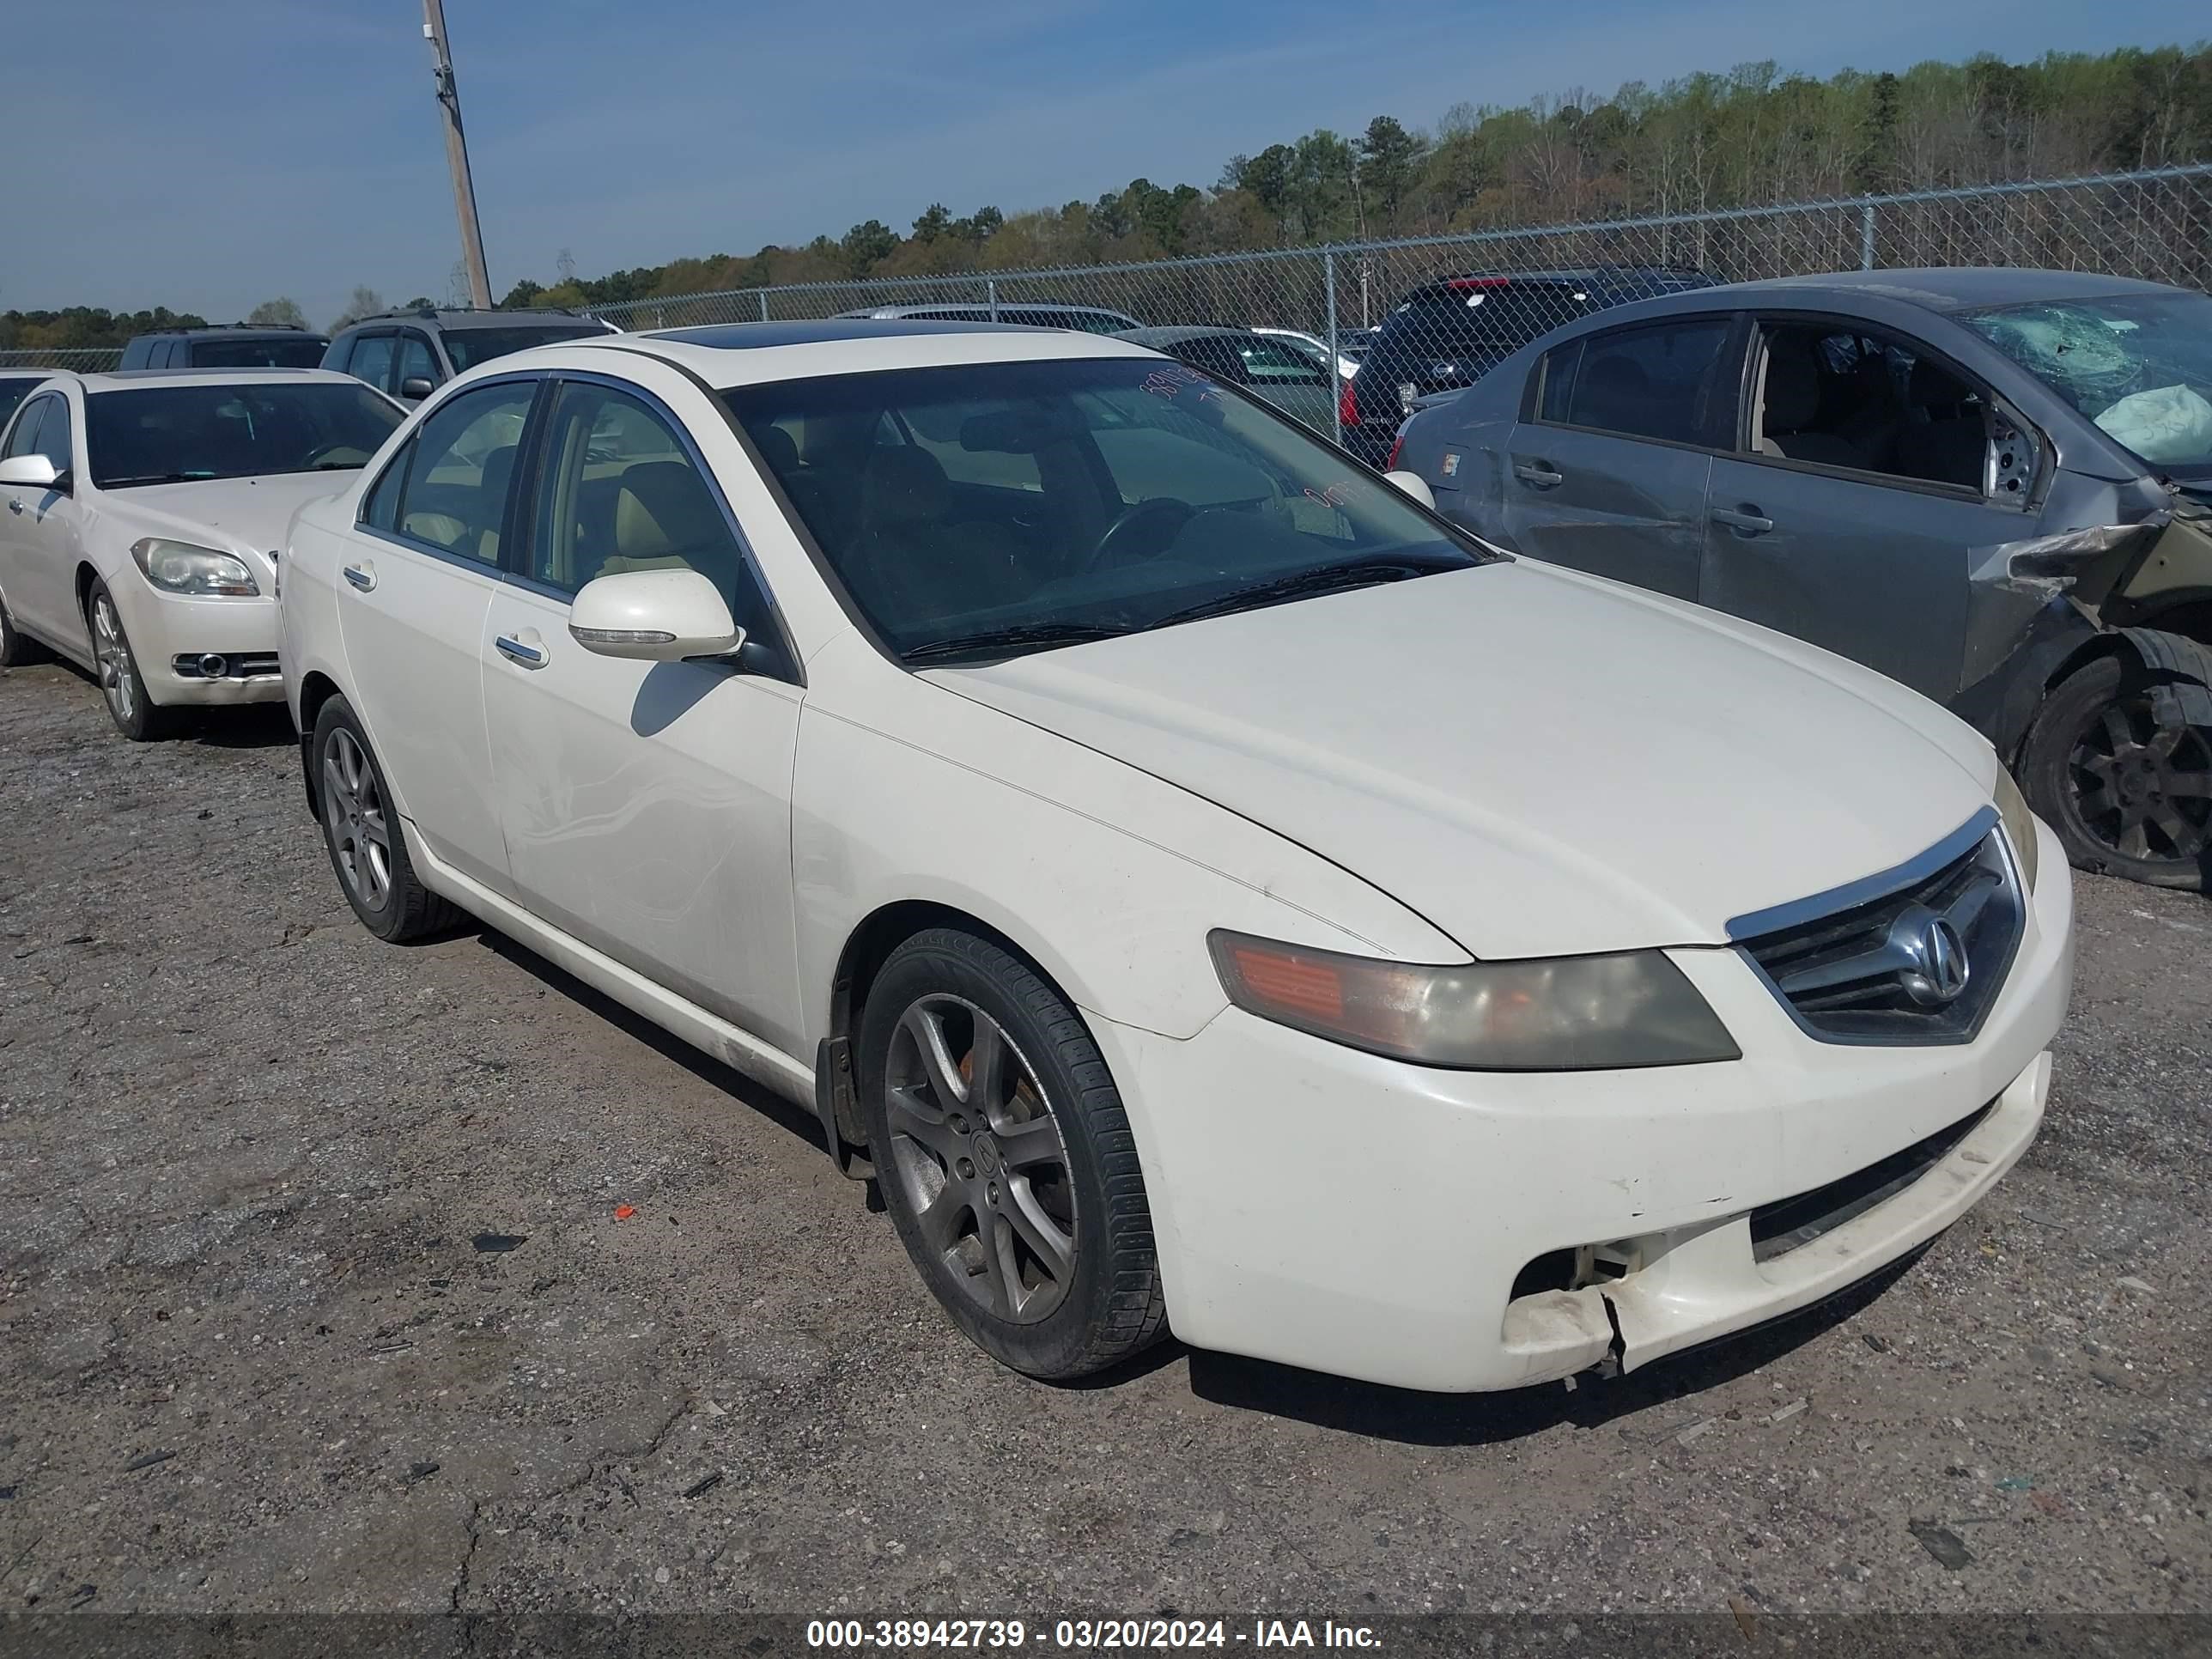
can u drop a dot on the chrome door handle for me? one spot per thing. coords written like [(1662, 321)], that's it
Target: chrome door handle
[(523, 656), (361, 576), (1744, 520), (15, 506), (1539, 475)]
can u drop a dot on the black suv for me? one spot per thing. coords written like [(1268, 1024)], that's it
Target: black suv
[(1447, 334), (242, 347), (409, 354)]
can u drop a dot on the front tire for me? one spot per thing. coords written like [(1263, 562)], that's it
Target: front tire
[(362, 831), (122, 686), (1005, 1159), (2129, 793)]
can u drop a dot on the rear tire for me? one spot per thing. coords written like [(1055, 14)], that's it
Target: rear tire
[(2128, 795), (1004, 1157), (122, 683), (16, 648), (367, 842)]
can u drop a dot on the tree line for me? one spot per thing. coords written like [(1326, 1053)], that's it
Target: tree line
[(1752, 137)]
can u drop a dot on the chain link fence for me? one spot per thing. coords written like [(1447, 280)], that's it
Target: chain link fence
[(2156, 225), (85, 360)]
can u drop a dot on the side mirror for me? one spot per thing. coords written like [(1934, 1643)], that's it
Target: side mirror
[(1414, 485), (31, 472), (415, 388), (653, 616)]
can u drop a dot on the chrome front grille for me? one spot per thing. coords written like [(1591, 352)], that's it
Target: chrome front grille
[(1915, 955)]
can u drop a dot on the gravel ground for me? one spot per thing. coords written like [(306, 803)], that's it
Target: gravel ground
[(315, 1296)]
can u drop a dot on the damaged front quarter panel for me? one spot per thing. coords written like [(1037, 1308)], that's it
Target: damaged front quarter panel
[(2032, 604)]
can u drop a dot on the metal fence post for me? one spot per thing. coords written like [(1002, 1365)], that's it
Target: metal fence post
[(764, 305), (991, 295), (1866, 237), (1336, 398)]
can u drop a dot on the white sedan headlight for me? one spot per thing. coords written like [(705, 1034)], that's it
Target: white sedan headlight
[(2018, 826), (1558, 1014), (203, 572)]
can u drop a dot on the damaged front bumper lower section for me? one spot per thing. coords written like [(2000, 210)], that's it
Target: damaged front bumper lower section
[(1663, 1292)]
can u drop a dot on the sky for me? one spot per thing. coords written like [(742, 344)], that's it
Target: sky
[(209, 155)]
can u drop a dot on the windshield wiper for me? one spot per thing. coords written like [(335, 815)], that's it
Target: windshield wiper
[(154, 478), (994, 641), (1326, 579)]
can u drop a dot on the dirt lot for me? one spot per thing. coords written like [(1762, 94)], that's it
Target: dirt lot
[(313, 1296)]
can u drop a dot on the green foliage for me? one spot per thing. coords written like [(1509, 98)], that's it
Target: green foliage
[(85, 327), (277, 313)]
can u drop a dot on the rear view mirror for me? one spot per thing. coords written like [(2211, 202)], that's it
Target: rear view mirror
[(653, 616), (31, 472), (1414, 485), (415, 388)]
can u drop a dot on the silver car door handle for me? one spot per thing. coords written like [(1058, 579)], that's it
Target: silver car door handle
[(15, 506), (361, 576), (1542, 477), (524, 656), (1744, 520)]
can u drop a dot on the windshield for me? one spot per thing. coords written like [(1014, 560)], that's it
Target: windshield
[(2139, 366), (468, 347), (977, 511), (304, 352), (177, 434)]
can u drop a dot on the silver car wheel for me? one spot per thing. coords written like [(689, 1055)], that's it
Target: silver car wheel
[(354, 812)]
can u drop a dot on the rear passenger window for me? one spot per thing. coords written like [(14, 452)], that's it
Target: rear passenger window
[(1654, 382), (372, 359), (455, 496)]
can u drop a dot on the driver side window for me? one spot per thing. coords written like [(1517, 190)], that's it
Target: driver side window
[(23, 436), (618, 491)]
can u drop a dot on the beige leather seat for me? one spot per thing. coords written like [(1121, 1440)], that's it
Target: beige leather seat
[(666, 520)]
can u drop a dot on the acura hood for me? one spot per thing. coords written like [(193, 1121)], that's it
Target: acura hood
[(248, 514), (1537, 762)]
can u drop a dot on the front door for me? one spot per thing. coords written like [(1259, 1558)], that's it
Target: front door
[(1849, 514), (1610, 478), (646, 806), (416, 586), (39, 539)]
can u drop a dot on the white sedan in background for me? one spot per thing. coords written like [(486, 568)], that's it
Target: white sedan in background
[(140, 515), (1203, 888)]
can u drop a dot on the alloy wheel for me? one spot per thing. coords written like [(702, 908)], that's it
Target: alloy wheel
[(354, 811), (2143, 784), (119, 674), (977, 1148)]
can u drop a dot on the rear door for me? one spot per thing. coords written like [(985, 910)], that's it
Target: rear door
[(1862, 478), (416, 585), (1606, 470)]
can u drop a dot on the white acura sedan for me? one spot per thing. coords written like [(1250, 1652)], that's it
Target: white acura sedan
[(142, 512), (1204, 888)]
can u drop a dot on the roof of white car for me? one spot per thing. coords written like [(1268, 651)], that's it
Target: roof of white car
[(120, 380), (744, 353)]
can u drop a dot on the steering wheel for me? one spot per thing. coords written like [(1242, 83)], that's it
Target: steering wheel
[(1125, 542)]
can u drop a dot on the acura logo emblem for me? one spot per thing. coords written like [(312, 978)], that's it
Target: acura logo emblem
[(1934, 956)]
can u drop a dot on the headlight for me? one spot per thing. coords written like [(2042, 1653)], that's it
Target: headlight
[(2018, 826), (1564, 1014), (183, 567)]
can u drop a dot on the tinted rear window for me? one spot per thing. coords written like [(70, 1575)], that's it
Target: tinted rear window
[(305, 352), (12, 394), (1493, 321)]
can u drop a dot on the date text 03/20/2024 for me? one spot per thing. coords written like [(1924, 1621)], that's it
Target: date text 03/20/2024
[(988, 1635)]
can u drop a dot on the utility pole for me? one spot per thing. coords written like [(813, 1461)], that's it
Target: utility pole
[(457, 153)]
